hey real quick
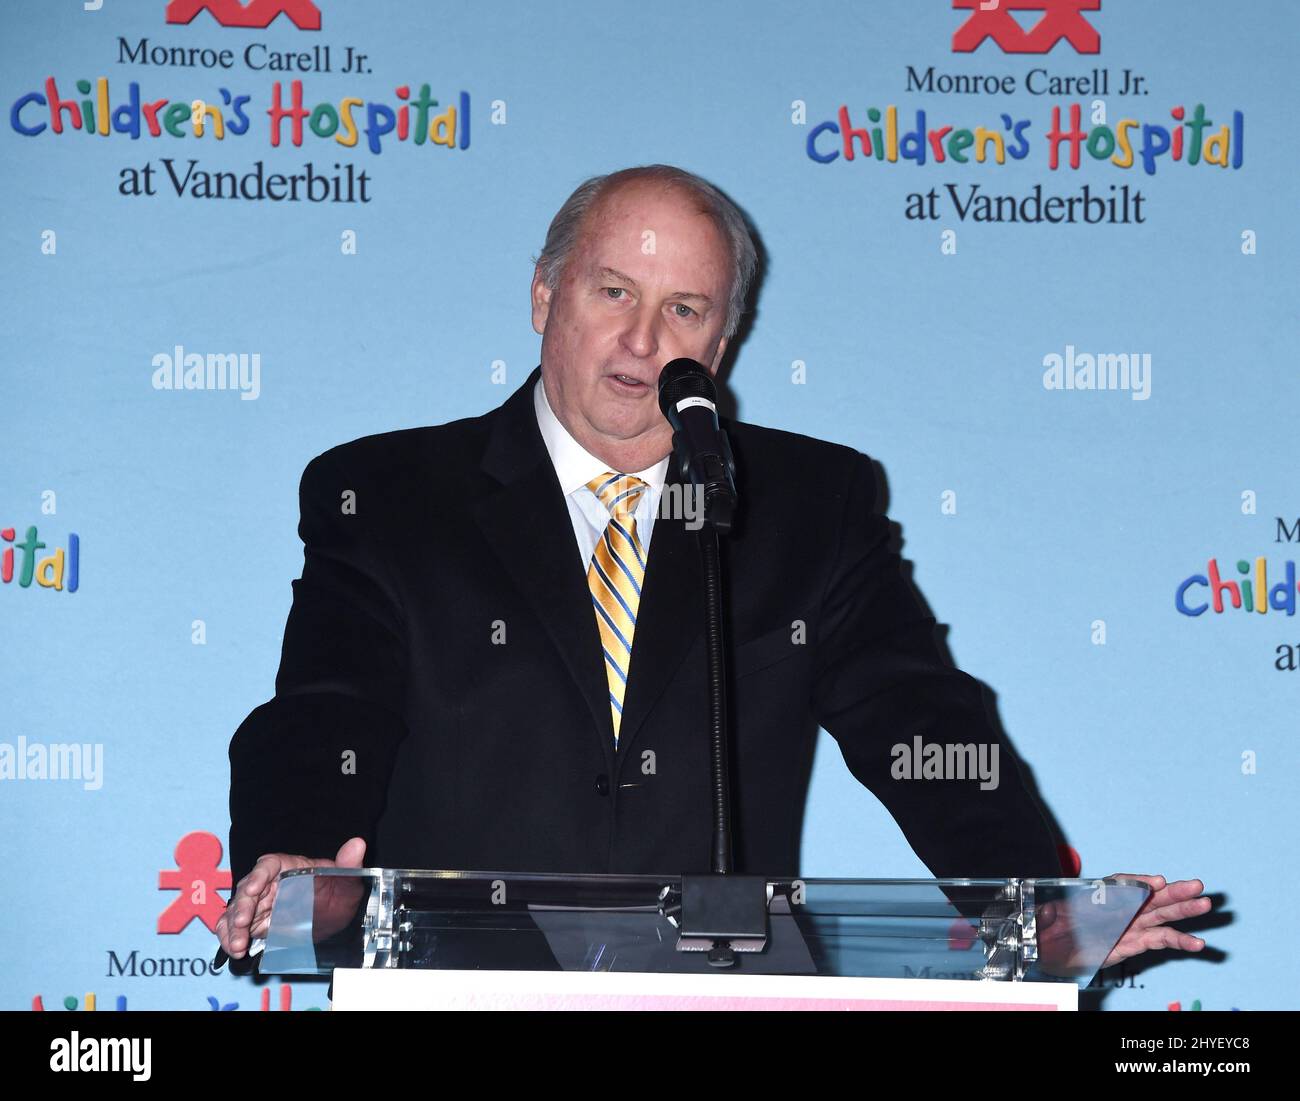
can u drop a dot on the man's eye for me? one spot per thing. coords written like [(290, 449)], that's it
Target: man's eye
[(615, 291), (682, 306)]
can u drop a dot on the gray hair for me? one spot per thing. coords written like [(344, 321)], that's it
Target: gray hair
[(731, 223)]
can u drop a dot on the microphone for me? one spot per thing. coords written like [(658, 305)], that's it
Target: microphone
[(688, 398)]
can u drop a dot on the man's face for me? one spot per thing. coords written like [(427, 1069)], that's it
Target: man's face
[(647, 282)]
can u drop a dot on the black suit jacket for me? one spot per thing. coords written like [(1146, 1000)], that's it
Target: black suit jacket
[(442, 694)]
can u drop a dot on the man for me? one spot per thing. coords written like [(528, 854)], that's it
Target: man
[(494, 659)]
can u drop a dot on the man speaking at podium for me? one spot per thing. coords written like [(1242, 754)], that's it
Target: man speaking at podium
[(495, 655)]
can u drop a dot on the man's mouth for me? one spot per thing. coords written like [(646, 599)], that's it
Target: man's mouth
[(629, 382)]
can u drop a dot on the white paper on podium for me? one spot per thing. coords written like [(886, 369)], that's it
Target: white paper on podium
[(358, 989)]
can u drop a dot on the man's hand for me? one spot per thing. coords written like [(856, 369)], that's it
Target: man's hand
[(1063, 951), (248, 913), (1168, 902)]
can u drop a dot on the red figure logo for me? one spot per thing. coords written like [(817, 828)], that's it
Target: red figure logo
[(1061, 19), (198, 879), (1071, 864), (255, 13), (961, 935)]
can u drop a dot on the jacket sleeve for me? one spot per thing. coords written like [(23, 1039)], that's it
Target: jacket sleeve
[(310, 768), (880, 681)]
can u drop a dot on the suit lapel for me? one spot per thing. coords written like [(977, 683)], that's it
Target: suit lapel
[(526, 521), (669, 620)]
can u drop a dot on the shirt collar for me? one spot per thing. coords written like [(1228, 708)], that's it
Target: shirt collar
[(574, 465)]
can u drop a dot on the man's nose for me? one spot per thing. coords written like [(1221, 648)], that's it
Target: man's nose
[(641, 337)]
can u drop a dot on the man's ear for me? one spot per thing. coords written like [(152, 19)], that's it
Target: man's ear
[(717, 359), (541, 300)]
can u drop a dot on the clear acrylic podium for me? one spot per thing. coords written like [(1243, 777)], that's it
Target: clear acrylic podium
[(988, 930)]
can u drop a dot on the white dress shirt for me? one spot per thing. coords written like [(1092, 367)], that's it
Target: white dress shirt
[(575, 467)]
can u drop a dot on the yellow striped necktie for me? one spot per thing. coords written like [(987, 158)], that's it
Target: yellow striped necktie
[(615, 577)]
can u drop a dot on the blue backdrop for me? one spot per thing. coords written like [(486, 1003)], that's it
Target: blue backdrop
[(946, 317)]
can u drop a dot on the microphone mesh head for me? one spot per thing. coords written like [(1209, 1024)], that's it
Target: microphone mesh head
[(684, 378)]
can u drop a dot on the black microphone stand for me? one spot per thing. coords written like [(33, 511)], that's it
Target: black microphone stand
[(722, 913), (718, 511)]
